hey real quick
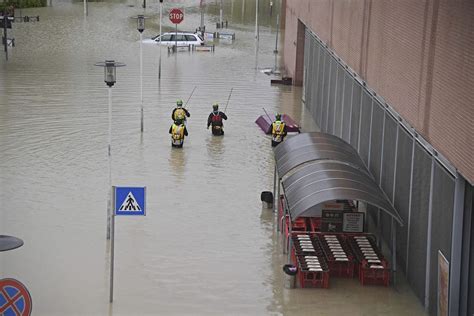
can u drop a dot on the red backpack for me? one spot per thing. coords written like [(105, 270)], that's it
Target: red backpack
[(216, 118)]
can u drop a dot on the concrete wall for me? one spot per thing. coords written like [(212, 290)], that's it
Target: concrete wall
[(418, 55)]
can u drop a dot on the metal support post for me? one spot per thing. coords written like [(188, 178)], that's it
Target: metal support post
[(278, 191), (394, 252), (410, 197), (428, 239), (275, 207), (456, 247)]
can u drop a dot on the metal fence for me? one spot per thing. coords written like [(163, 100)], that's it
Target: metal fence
[(419, 182)]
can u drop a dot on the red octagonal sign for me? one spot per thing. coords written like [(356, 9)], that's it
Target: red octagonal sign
[(176, 16)]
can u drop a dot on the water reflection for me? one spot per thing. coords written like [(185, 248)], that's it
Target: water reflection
[(215, 146), (177, 162)]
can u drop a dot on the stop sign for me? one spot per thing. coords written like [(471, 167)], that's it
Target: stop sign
[(176, 16)]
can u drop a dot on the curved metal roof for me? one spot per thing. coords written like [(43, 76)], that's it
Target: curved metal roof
[(333, 171), (302, 148), (332, 180)]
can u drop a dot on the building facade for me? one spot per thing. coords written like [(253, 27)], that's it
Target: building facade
[(394, 79)]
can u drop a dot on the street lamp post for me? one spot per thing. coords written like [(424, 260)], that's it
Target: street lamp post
[(110, 79), (141, 28), (256, 22), (159, 65)]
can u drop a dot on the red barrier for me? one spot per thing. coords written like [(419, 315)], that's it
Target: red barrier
[(341, 261), (312, 279), (375, 275), (313, 269)]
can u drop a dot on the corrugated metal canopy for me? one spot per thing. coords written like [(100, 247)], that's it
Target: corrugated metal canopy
[(326, 181), (306, 147), (334, 171)]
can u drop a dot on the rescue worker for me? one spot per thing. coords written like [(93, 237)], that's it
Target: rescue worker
[(179, 113), (215, 119), (178, 131), (279, 130)]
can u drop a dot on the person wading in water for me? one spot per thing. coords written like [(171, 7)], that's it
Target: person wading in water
[(178, 131), (215, 120)]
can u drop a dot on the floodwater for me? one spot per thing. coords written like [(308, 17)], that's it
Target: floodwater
[(205, 247)]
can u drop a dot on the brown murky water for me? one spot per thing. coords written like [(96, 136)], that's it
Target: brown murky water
[(205, 246)]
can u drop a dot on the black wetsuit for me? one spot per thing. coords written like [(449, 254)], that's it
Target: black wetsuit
[(215, 119)]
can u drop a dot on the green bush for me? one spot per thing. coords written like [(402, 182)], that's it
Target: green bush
[(23, 4)]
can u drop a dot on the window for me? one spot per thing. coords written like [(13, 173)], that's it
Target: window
[(166, 38), (190, 38)]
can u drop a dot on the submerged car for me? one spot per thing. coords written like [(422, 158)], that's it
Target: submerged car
[(180, 38)]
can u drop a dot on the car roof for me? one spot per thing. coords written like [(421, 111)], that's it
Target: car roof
[(180, 33)]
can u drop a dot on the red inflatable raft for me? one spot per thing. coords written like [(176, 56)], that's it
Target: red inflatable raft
[(265, 123)]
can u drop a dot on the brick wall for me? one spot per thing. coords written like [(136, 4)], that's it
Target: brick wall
[(418, 55)]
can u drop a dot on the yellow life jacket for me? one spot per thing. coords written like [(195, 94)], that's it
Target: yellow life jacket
[(278, 131), (177, 134), (179, 114)]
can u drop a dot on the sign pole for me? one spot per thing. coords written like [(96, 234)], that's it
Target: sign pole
[(112, 250), (127, 201), (176, 16)]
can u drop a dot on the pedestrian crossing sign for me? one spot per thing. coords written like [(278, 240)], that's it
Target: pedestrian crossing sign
[(129, 201)]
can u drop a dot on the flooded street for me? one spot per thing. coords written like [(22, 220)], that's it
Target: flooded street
[(205, 247)]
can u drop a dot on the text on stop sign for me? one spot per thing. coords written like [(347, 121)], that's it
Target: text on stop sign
[(176, 16)]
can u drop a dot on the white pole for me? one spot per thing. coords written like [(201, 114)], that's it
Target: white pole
[(109, 202), (276, 37), (85, 7), (202, 18), (220, 25), (141, 81), (159, 65), (112, 253), (256, 34), (256, 20), (276, 43)]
